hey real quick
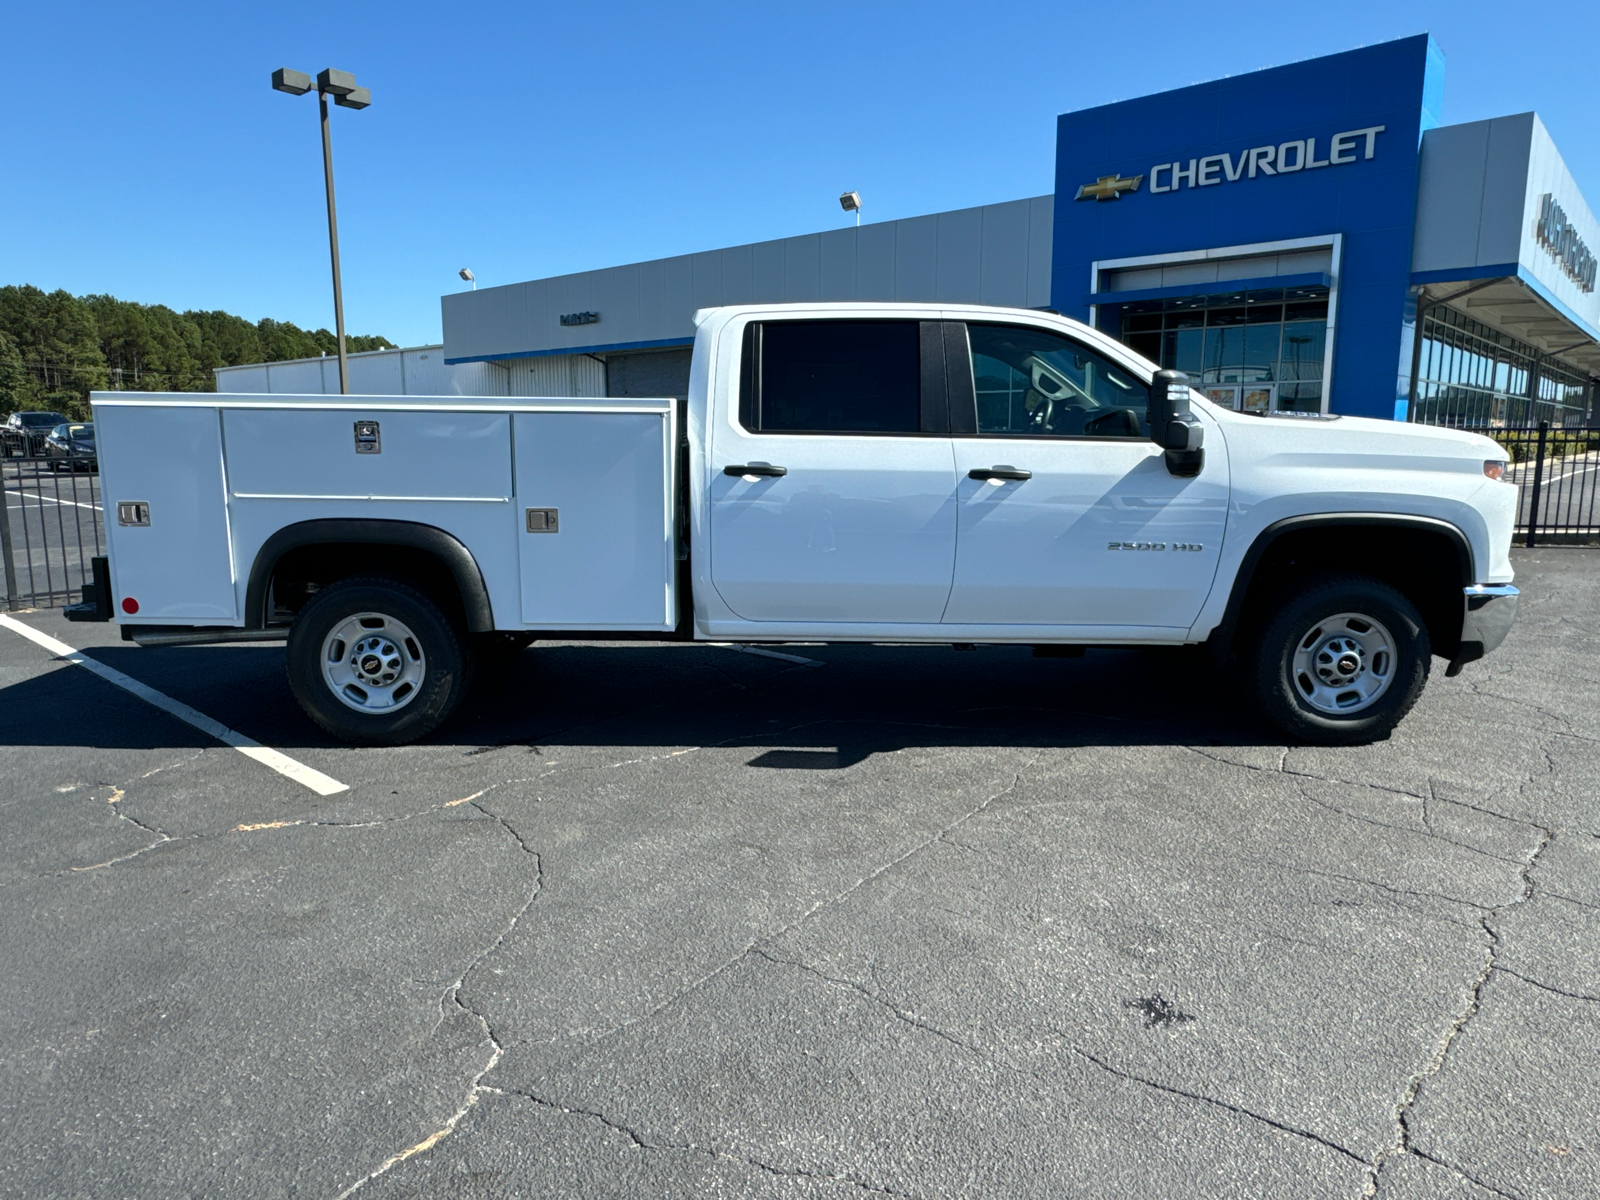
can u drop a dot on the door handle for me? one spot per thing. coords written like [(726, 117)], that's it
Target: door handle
[(997, 474), (762, 469)]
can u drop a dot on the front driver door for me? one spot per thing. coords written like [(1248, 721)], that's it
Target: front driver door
[(1081, 524), (833, 487)]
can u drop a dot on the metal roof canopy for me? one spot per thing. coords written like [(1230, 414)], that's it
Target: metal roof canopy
[(1511, 306)]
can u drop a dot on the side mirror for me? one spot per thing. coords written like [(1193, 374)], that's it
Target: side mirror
[(1172, 426)]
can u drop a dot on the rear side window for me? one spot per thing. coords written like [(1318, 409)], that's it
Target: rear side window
[(849, 377)]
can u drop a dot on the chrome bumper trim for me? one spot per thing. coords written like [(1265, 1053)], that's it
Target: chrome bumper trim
[(1488, 609)]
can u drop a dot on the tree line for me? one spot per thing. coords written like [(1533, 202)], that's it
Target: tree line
[(56, 348)]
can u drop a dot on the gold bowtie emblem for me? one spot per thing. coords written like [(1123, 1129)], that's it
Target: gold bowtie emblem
[(1109, 187)]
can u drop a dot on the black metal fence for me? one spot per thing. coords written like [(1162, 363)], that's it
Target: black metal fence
[(1557, 473), (51, 525)]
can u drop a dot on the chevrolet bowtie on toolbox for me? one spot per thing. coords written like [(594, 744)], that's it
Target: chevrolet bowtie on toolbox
[(839, 473)]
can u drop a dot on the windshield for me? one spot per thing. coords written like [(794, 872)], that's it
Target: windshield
[(39, 420), (80, 432)]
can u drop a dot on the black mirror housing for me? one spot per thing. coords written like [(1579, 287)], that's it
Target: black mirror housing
[(1172, 426)]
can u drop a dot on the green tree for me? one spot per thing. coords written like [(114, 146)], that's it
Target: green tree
[(55, 334), (55, 348), (17, 388)]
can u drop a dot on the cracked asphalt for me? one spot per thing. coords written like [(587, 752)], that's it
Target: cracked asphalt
[(676, 921)]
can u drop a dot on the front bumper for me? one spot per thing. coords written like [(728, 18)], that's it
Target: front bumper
[(1488, 609)]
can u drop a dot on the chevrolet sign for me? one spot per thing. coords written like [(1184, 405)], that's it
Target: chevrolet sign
[(1285, 158)]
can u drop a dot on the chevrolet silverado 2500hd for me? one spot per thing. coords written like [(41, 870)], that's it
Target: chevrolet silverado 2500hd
[(840, 472)]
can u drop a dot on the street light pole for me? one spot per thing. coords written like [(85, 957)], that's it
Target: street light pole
[(342, 86), (333, 244)]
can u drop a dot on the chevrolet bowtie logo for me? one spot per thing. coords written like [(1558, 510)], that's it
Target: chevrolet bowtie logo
[(1109, 187)]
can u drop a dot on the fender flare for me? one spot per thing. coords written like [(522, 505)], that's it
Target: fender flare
[(428, 538), (1245, 575)]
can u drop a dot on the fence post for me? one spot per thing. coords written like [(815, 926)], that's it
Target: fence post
[(6, 552), (1538, 481)]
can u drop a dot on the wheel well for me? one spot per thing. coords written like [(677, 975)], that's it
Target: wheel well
[(300, 560), (306, 570), (1427, 565)]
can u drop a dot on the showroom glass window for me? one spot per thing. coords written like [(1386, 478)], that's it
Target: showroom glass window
[(1033, 382), (1258, 350), (843, 377)]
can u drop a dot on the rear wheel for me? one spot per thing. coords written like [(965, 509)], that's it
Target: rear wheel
[(376, 662), (1342, 662)]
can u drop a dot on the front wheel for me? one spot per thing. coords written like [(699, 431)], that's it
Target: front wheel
[(1342, 662), (376, 662)]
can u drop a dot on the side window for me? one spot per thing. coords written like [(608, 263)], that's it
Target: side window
[(859, 377), (1031, 382)]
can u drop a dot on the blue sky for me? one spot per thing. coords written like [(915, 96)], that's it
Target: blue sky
[(145, 155)]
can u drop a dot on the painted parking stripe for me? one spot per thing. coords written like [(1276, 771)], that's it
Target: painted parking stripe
[(319, 783), (26, 496)]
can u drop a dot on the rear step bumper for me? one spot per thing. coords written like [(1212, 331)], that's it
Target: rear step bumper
[(96, 603)]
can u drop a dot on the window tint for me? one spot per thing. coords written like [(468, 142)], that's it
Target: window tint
[(1033, 382), (839, 377)]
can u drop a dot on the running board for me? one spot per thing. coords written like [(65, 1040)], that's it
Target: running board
[(185, 635)]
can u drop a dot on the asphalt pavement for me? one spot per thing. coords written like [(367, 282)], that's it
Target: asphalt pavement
[(662, 921)]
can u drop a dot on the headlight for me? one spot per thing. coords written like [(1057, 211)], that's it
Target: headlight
[(1494, 468)]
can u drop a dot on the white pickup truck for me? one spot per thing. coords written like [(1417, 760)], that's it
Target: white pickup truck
[(886, 473)]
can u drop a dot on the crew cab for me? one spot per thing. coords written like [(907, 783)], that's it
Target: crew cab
[(893, 473)]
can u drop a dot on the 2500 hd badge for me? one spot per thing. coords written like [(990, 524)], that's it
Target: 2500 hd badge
[(1154, 546)]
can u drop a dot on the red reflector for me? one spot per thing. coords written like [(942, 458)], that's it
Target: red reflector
[(130, 605)]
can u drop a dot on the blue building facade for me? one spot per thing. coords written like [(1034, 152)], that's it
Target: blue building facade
[(1262, 233), (1300, 185)]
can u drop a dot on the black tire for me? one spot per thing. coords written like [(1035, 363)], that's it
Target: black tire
[(446, 668), (1296, 660)]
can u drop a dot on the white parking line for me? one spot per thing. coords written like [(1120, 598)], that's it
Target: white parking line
[(24, 496), (319, 783)]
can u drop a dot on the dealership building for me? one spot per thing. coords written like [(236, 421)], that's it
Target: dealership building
[(1307, 238)]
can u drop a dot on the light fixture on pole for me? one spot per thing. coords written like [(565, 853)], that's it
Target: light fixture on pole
[(341, 85), (851, 202), (466, 274)]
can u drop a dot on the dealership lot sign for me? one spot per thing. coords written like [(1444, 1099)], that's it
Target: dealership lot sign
[(1563, 244)]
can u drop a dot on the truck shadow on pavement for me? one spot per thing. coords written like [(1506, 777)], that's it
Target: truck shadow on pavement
[(847, 704)]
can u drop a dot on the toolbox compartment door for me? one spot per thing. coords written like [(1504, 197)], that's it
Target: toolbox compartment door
[(595, 519), (179, 566)]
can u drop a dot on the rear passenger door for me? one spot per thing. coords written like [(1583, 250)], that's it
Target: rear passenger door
[(833, 488)]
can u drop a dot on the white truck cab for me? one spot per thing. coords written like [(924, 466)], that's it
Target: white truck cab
[(840, 472)]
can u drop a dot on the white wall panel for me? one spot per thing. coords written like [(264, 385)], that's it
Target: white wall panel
[(1041, 236), (738, 275), (996, 254), (837, 249), (916, 258), (959, 262), (768, 258), (1003, 276), (802, 268), (875, 255)]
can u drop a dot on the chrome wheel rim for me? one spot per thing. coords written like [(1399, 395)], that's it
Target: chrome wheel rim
[(373, 663), (1343, 664)]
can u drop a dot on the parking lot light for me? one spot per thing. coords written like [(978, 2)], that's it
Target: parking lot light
[(341, 85), (296, 83)]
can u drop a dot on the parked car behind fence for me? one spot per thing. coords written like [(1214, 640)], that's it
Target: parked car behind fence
[(71, 446), (23, 434)]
